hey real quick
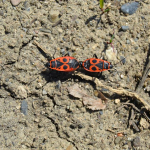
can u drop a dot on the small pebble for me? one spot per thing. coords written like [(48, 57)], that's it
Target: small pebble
[(58, 84), (44, 92), (96, 93), (101, 112), (24, 107), (21, 92), (63, 39), (136, 47), (86, 86), (128, 41), (111, 54), (125, 147), (62, 51), (142, 17), (45, 30), (121, 76), (74, 17), (138, 36), (60, 30), (130, 8), (136, 142), (36, 120), (15, 2), (101, 126), (54, 16), (1, 12), (26, 6), (7, 79), (91, 7), (104, 90), (136, 39), (68, 107), (117, 140), (124, 28), (144, 123), (80, 126), (69, 54), (117, 101), (123, 59), (147, 88)]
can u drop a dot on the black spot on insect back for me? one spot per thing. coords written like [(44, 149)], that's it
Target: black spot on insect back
[(64, 60), (93, 68), (65, 67), (94, 61)]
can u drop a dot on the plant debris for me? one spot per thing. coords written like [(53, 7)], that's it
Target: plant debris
[(88, 101), (119, 91)]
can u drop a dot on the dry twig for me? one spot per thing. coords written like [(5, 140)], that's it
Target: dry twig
[(146, 117), (110, 130), (132, 122), (133, 106), (116, 132), (122, 106), (119, 91), (43, 49), (144, 76)]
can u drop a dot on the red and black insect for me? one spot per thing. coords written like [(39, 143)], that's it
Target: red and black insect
[(69, 64), (66, 64), (96, 65)]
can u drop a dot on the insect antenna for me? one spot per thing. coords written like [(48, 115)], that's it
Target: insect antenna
[(120, 61), (54, 54), (114, 68)]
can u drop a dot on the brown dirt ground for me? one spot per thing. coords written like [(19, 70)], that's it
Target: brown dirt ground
[(55, 120)]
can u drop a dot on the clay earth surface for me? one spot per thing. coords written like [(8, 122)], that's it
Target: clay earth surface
[(54, 119)]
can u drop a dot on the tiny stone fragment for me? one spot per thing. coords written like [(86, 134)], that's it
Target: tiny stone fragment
[(117, 140), (101, 112), (144, 123), (128, 41), (20, 92), (16, 2), (62, 51), (117, 101), (124, 28), (136, 142), (147, 88), (54, 16), (24, 107), (130, 8), (44, 92), (121, 76), (111, 54), (58, 84), (123, 59)]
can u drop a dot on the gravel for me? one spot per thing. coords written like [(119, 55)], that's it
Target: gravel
[(24, 107), (130, 8)]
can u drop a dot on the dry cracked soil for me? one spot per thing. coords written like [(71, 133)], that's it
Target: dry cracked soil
[(36, 110)]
